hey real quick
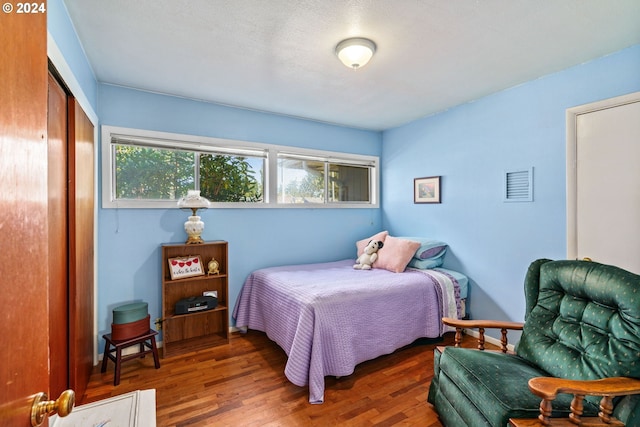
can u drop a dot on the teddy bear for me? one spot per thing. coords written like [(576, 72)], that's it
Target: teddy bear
[(369, 255)]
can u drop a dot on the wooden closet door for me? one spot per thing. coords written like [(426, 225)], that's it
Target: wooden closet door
[(81, 247), (71, 218), (58, 239)]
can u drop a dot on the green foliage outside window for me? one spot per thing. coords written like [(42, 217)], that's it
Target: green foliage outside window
[(228, 179), (165, 174), (152, 173)]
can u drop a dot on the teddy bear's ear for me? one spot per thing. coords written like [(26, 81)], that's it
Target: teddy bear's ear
[(380, 245)]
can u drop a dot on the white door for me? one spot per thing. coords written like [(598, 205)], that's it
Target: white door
[(603, 182)]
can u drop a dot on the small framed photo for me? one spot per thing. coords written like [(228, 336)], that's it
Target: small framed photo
[(426, 190), (183, 267)]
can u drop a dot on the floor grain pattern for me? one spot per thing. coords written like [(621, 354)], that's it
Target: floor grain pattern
[(243, 384)]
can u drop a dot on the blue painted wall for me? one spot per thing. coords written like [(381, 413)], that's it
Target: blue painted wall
[(129, 239), (471, 146), (60, 27)]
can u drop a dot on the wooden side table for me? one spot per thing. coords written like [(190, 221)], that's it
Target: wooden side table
[(147, 343)]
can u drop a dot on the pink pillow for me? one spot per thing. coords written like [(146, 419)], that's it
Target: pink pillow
[(396, 254), (361, 244)]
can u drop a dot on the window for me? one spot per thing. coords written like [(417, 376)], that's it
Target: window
[(231, 178), (152, 173), (300, 181), (309, 180), (148, 169), (348, 183)]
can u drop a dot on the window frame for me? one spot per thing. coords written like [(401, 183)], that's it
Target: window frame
[(231, 147)]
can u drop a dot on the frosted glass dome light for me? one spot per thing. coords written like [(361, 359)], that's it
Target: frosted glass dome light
[(355, 52)]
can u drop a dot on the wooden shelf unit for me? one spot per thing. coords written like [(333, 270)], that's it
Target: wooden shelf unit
[(183, 333)]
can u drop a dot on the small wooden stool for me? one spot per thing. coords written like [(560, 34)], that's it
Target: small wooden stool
[(148, 340)]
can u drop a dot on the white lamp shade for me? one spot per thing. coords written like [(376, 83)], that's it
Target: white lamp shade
[(193, 200), (355, 52)]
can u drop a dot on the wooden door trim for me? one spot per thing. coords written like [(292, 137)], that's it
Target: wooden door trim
[(572, 156)]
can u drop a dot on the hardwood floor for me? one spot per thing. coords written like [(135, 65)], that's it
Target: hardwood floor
[(243, 384)]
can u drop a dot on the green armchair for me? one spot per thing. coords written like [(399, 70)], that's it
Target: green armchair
[(578, 357)]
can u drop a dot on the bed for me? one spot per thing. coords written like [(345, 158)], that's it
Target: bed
[(329, 317)]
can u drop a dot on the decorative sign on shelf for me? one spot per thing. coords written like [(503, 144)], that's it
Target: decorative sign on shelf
[(183, 267)]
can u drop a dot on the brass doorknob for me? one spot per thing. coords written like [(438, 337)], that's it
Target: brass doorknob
[(42, 408), (587, 259)]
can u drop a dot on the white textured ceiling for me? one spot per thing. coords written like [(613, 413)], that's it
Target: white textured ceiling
[(278, 55)]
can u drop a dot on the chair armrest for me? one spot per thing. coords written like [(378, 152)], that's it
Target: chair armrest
[(548, 389), (481, 325), (497, 324)]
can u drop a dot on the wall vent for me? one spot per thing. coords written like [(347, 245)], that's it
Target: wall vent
[(518, 185)]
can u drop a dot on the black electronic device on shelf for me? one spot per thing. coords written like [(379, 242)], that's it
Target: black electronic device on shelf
[(194, 304)]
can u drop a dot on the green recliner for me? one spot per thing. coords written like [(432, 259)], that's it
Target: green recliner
[(582, 322)]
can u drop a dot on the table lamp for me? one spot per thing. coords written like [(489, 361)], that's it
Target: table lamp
[(194, 225)]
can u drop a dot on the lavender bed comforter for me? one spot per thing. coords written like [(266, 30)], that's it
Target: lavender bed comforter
[(329, 317)]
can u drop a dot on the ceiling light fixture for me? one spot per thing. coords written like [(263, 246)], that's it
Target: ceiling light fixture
[(355, 52)]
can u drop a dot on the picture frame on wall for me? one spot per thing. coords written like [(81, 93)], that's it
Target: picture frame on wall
[(426, 190), (183, 267)]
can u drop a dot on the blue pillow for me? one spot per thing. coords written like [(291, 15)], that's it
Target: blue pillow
[(429, 248), (424, 264)]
